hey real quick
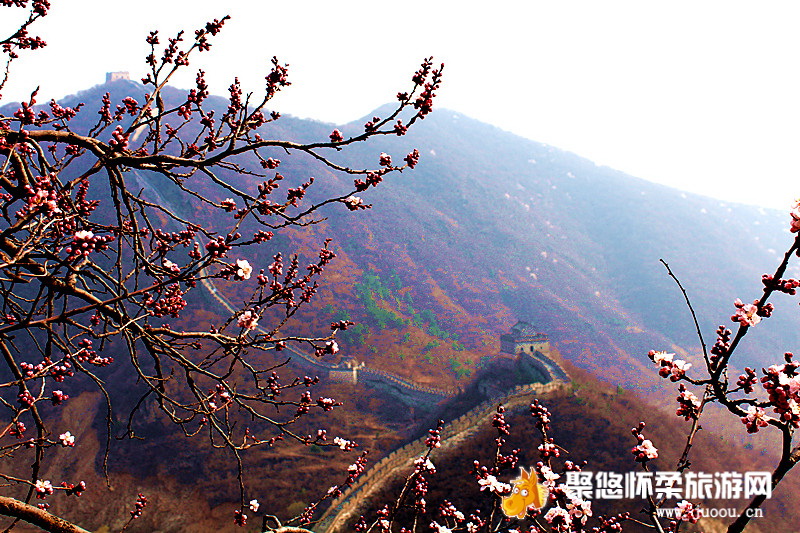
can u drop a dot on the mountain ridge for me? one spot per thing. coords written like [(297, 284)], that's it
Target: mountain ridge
[(491, 228), (527, 230)]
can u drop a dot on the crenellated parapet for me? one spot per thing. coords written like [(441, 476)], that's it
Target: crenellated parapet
[(401, 461)]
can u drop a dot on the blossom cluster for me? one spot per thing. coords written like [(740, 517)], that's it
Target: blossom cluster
[(688, 404), (750, 314), (82, 279), (782, 383), (671, 368), (644, 451)]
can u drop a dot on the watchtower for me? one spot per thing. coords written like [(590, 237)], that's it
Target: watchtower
[(524, 339), (346, 371), (114, 76)]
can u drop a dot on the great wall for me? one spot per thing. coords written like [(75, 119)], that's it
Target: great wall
[(358, 373), (401, 461), (528, 348)]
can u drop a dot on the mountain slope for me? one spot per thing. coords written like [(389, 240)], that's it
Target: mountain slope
[(488, 229), (491, 227)]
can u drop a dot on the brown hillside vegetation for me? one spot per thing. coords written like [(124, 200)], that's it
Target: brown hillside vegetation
[(191, 491), (591, 422), (192, 487)]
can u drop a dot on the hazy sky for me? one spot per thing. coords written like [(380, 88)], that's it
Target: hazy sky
[(700, 95)]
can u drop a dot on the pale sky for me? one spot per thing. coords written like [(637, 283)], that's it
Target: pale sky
[(700, 95)]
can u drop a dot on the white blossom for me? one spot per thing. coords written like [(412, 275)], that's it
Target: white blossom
[(440, 528), (660, 357), (342, 443), (493, 485), (244, 269), (423, 463)]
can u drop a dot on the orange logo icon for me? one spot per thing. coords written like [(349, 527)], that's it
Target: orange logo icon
[(528, 493)]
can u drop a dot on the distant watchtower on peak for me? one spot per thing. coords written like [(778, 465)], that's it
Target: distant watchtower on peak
[(346, 371), (114, 76), (524, 338)]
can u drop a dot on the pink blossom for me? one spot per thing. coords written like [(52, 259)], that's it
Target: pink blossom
[(648, 449), (688, 404), (746, 314), (686, 512), (756, 418), (549, 476), (248, 320), (556, 515), (794, 407), (172, 267), (645, 451), (792, 383), (691, 398), (795, 214), (44, 200), (327, 404), (580, 509)]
